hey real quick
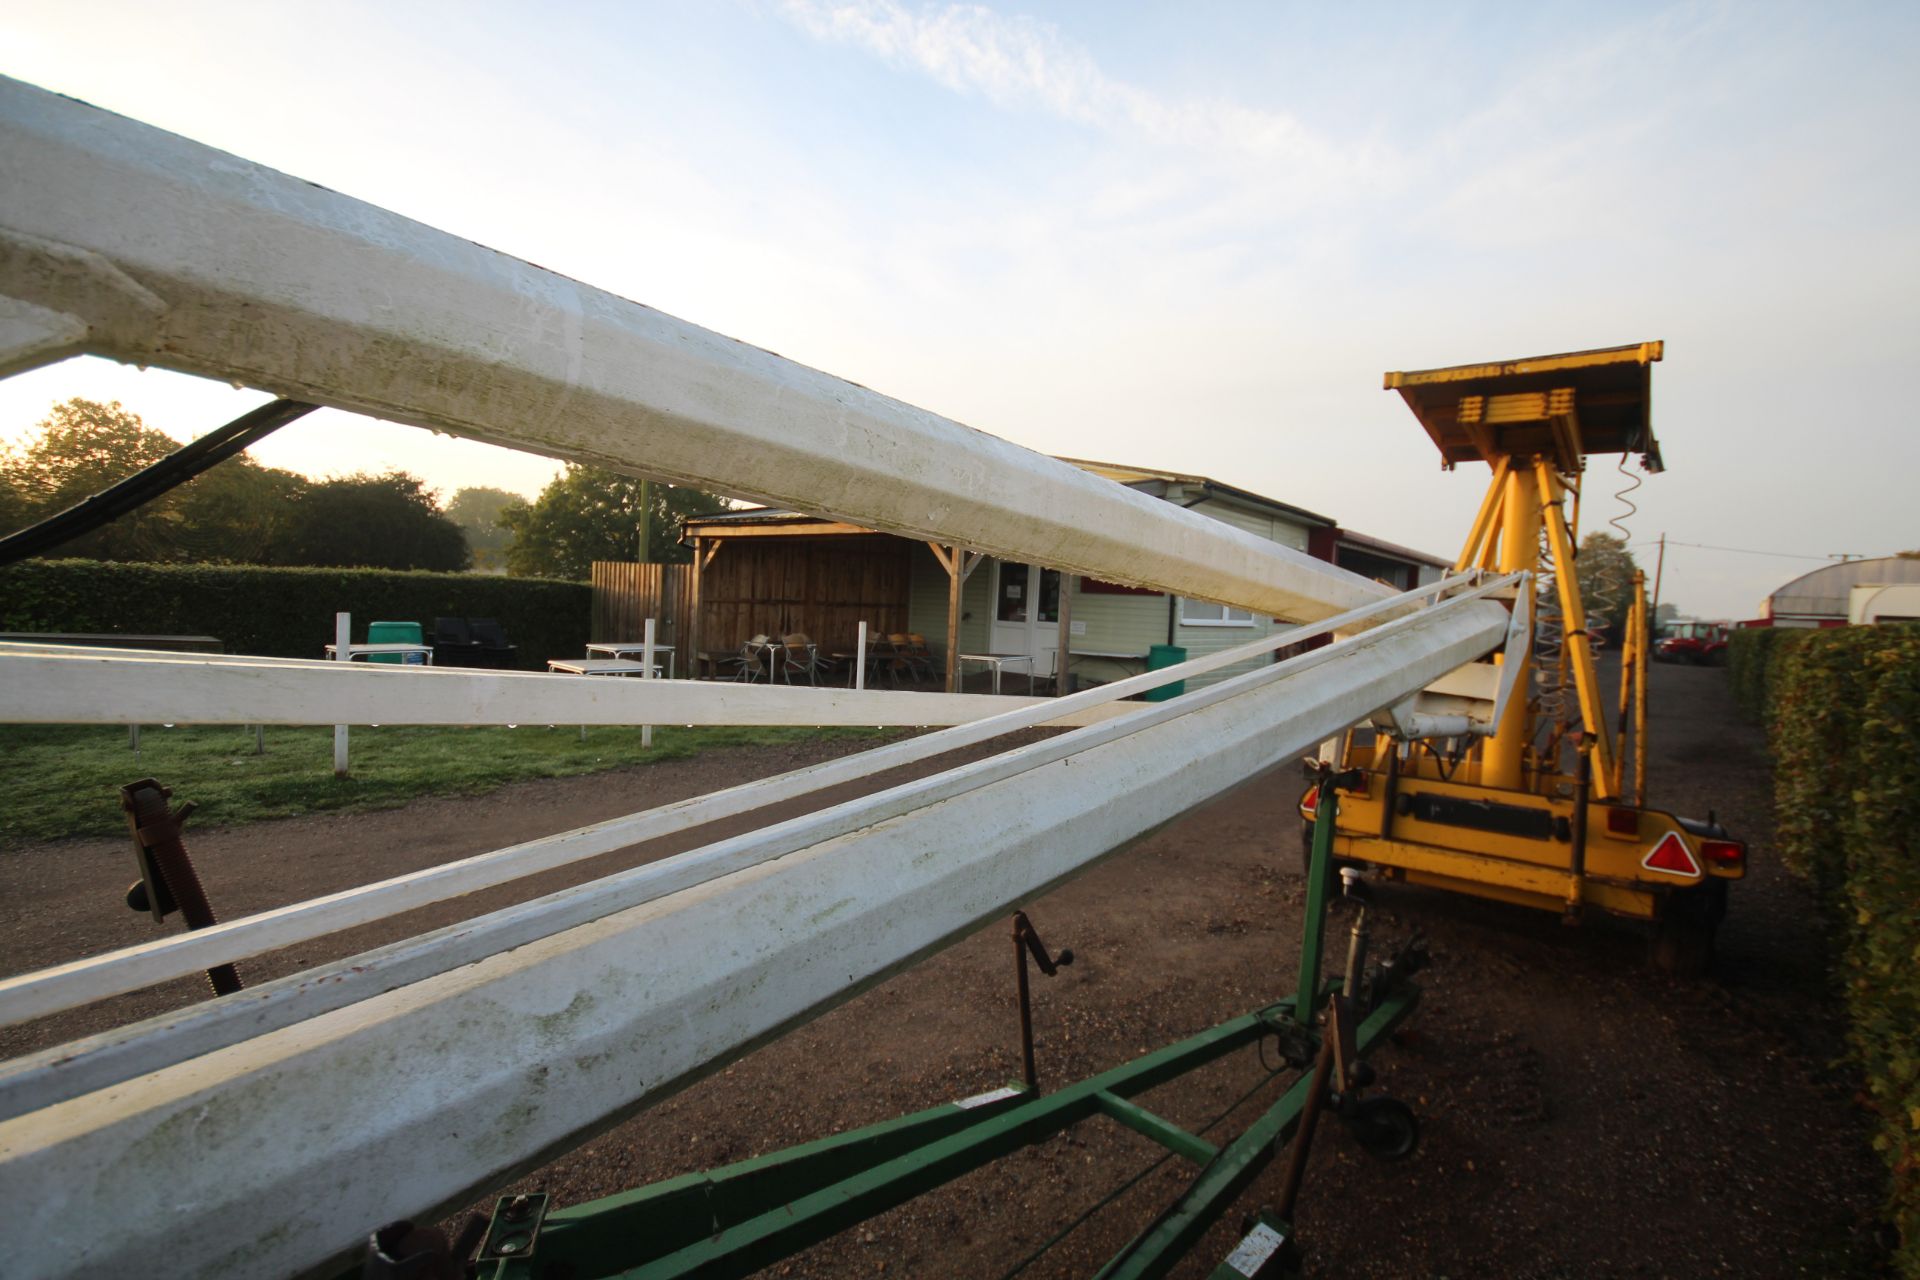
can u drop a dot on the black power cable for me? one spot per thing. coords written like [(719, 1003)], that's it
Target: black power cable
[(145, 485)]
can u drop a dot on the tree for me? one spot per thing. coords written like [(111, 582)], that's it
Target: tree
[(235, 512), (226, 514), (591, 513), (1605, 572), (477, 511), (84, 446), (383, 522)]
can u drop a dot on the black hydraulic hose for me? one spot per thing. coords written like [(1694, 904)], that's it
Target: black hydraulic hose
[(145, 485)]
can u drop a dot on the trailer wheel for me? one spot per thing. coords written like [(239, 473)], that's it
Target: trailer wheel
[(1683, 937), (1385, 1128)]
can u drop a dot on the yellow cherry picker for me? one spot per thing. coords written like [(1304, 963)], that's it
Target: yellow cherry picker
[(1506, 780)]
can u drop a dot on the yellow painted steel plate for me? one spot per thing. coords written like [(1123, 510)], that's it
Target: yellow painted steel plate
[(1476, 411)]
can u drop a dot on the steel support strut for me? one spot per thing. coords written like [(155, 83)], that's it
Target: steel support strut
[(735, 1220)]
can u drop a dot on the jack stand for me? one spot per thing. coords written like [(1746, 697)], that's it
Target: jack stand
[(1027, 943), (1357, 953), (167, 880)]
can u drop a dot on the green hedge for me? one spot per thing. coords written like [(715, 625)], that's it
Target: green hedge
[(1750, 652), (1883, 890), (1813, 699), (286, 613), (1844, 725)]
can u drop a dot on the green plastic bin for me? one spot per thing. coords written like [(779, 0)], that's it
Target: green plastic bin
[(1159, 657), (395, 633)]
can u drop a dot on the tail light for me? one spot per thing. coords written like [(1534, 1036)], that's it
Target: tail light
[(1623, 822), (1723, 855), (1310, 803)]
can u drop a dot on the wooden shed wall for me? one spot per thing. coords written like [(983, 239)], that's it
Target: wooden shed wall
[(626, 594), (824, 587)]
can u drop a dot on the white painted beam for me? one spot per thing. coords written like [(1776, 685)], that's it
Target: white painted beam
[(126, 241), (416, 1100)]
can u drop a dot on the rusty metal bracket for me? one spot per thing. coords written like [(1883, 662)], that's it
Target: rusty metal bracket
[(1027, 943), (1324, 1066), (168, 881), (403, 1251)]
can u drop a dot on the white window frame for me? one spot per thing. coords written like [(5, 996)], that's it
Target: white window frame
[(1227, 616)]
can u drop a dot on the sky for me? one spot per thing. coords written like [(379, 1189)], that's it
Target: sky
[(1189, 237)]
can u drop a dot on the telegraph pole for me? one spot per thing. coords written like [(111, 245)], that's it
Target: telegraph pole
[(1659, 565), (644, 549)]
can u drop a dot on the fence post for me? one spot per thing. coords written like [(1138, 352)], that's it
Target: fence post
[(646, 673), (1063, 646), (860, 658), (342, 652)]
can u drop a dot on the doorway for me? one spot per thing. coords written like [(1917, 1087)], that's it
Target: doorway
[(1021, 623)]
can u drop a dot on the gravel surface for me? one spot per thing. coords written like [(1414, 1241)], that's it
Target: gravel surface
[(1581, 1116)]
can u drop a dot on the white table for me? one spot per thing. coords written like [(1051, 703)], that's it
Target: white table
[(774, 657), (1102, 655), (599, 667), (999, 660), (356, 651), (1111, 655), (621, 649)]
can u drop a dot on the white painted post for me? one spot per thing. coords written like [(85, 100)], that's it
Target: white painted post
[(342, 652), (646, 673), (860, 658)]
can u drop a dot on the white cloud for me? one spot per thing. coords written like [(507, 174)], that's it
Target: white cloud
[(1019, 63)]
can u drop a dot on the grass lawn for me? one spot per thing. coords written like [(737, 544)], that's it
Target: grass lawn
[(65, 780)]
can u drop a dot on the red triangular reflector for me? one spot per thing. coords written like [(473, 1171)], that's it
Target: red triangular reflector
[(1673, 856)]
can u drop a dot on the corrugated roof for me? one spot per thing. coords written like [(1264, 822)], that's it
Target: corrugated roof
[(1823, 592), (1127, 475), (1122, 474), (1367, 542), (750, 515)]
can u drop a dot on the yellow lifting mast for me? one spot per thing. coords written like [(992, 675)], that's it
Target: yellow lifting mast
[(1549, 808)]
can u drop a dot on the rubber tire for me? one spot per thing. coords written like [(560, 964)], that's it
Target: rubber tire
[(1683, 937), (1385, 1128)]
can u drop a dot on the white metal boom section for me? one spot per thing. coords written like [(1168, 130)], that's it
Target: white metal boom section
[(412, 1078), (123, 240)]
